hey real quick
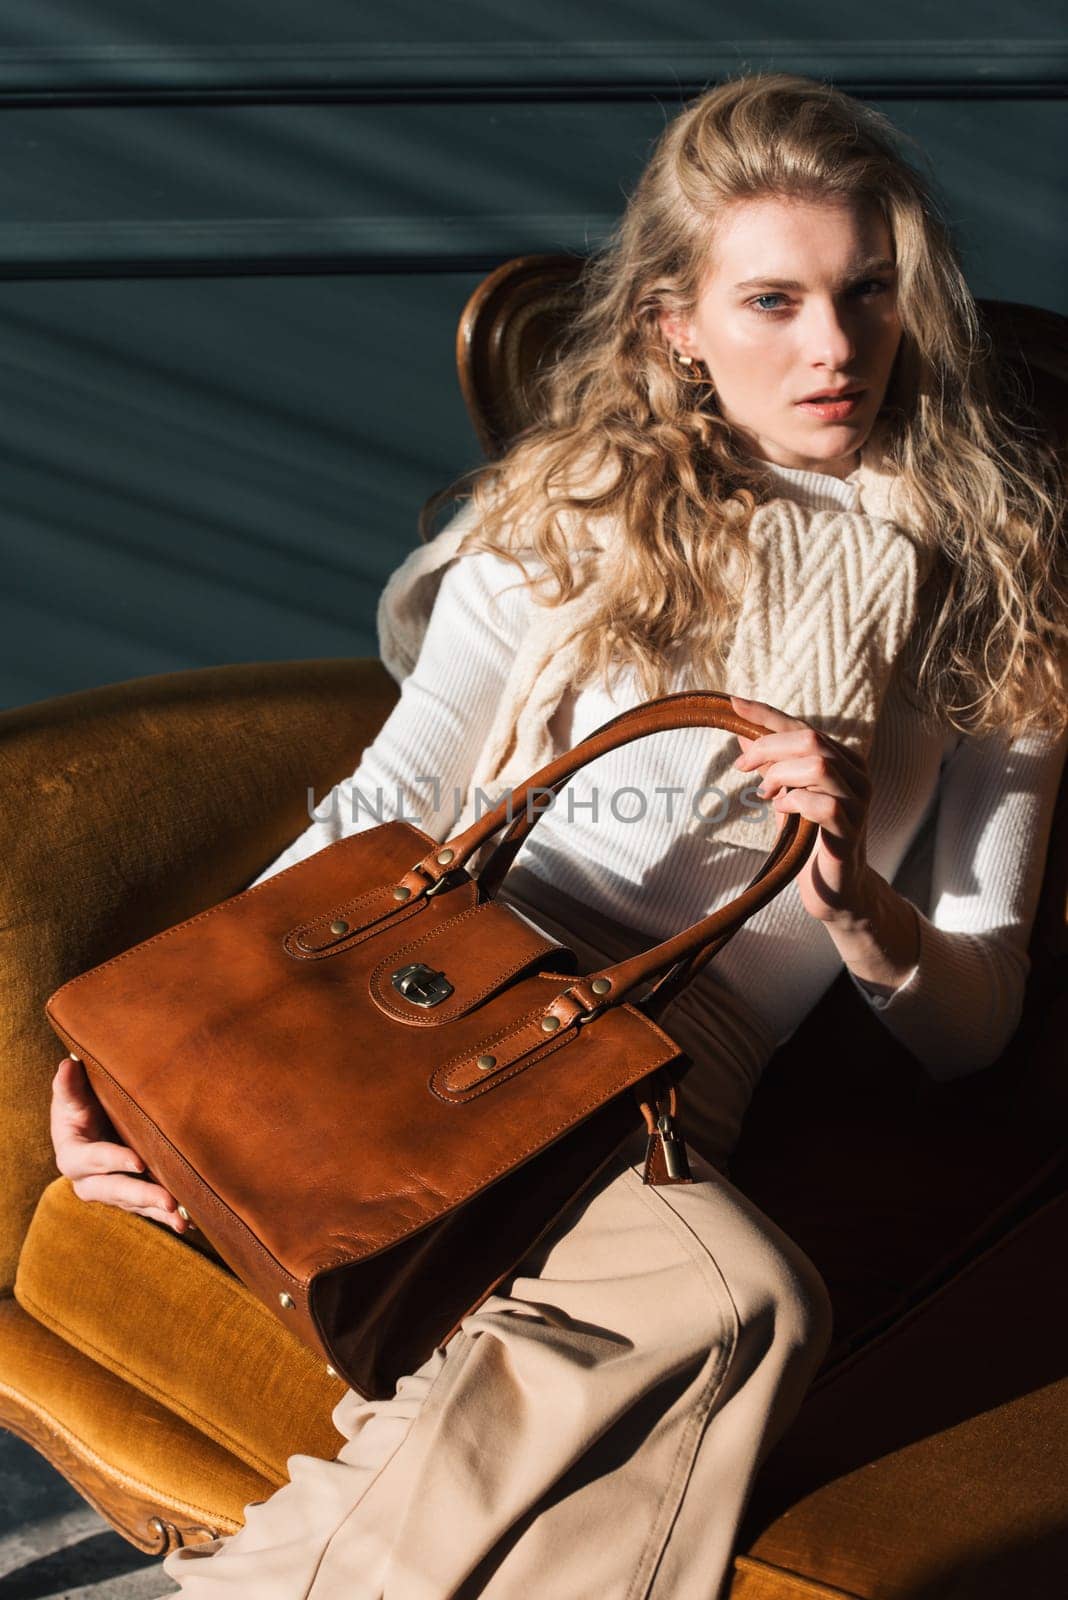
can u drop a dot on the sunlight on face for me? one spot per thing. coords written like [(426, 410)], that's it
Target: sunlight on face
[(800, 299)]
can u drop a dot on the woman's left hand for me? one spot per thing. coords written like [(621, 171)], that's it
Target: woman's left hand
[(829, 785)]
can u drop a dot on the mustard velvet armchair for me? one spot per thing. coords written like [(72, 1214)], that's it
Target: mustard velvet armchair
[(924, 1460)]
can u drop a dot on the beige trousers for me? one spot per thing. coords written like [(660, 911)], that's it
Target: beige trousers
[(592, 1433)]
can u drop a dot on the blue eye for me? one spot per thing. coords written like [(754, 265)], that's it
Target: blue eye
[(876, 284)]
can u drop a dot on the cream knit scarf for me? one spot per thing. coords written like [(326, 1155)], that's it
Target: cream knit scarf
[(830, 602)]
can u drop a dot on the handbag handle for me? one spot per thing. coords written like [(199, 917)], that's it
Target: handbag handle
[(492, 874), (676, 959)]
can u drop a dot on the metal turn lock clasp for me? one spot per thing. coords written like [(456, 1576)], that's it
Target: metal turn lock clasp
[(421, 984)]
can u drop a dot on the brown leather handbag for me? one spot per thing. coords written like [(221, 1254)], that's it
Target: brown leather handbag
[(375, 1087)]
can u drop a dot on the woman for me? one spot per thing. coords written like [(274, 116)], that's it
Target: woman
[(776, 377)]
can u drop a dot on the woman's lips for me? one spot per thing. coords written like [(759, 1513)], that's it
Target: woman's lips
[(833, 410)]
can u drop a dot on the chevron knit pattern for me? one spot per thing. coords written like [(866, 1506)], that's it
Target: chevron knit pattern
[(829, 604)]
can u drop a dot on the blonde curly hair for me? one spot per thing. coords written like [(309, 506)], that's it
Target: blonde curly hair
[(620, 434)]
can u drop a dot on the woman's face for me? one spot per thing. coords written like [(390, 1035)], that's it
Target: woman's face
[(799, 300)]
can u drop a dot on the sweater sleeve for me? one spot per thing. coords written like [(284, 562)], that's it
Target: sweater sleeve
[(420, 762), (961, 1003)]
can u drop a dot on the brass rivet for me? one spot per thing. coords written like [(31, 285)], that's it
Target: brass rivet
[(339, 926), (331, 1372), (401, 892), (184, 1214), (486, 1062), (445, 856), (601, 985), (550, 1024), (286, 1301)]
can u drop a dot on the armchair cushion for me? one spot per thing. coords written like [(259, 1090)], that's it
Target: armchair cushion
[(178, 1327), (933, 1462), (159, 1481)]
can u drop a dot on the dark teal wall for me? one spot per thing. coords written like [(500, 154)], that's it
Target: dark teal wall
[(235, 239)]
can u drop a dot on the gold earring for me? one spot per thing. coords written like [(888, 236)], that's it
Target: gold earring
[(699, 375)]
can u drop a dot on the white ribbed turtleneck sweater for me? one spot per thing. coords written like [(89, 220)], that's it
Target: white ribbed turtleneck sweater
[(959, 826)]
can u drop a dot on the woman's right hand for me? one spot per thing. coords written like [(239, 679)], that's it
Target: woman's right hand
[(99, 1169)]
